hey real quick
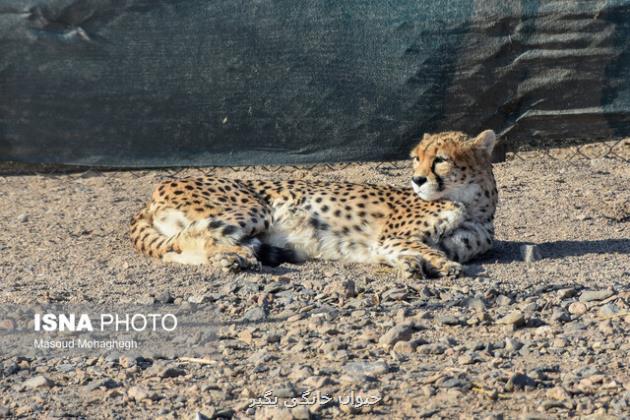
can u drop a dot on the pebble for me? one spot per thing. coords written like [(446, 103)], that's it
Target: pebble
[(138, 393), (559, 316), (519, 382), (246, 337), (39, 381), (502, 300), (366, 368), (394, 335), (171, 372), (558, 393), (22, 218), (106, 383), (595, 295), (255, 314), (405, 347), (300, 413), (7, 325), (608, 309), (344, 288), (450, 320), (567, 293), (577, 308), (530, 253), (199, 299), (512, 345), (434, 348), (164, 298), (515, 318)]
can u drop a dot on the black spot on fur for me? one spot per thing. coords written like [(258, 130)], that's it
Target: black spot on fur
[(215, 224), (229, 229)]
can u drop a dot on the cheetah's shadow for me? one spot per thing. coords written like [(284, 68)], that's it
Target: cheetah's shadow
[(505, 252)]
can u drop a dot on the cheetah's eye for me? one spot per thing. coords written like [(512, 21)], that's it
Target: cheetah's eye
[(439, 159), (415, 159)]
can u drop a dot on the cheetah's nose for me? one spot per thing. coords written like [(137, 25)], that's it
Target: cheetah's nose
[(419, 180)]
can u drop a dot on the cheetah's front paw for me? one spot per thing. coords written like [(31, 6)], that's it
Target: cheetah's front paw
[(234, 262), (410, 266), (450, 269)]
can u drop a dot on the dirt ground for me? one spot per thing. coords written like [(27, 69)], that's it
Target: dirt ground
[(509, 339)]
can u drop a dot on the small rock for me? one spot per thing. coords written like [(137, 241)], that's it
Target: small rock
[(138, 393), (577, 308), (512, 345), (558, 393), (344, 288), (515, 318), (502, 300), (107, 383), (450, 320), (608, 309), (39, 381), (550, 404), (146, 300), (567, 293), (394, 335), (465, 359), (530, 253), (65, 367), (606, 327), (518, 382), (404, 347), (277, 286), (255, 314), (559, 316), (22, 218), (559, 343), (455, 383), (595, 295), (199, 299), (476, 304), (300, 413), (434, 348), (273, 413), (246, 337), (349, 409), (127, 361), (366, 368), (164, 298), (7, 325), (171, 372)]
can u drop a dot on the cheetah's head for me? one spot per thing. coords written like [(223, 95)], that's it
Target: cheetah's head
[(453, 166)]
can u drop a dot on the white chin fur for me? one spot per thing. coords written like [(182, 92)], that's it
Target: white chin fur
[(426, 191)]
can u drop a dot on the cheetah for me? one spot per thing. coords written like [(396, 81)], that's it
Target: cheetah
[(444, 218)]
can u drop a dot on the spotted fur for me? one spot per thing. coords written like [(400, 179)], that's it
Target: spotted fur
[(443, 219)]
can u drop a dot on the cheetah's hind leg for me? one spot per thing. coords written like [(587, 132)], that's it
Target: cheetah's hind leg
[(211, 241)]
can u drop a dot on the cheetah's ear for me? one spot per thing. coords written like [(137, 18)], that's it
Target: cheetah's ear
[(412, 153), (485, 141)]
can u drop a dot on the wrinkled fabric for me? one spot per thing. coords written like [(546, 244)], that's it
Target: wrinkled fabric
[(138, 83)]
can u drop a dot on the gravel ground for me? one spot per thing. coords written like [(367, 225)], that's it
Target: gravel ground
[(510, 339)]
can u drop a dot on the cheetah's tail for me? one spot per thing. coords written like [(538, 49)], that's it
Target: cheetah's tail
[(273, 256)]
